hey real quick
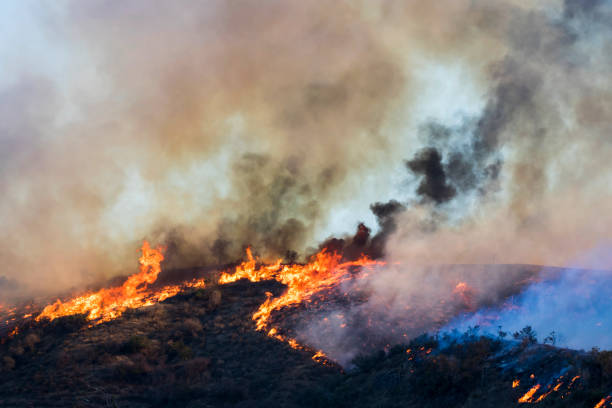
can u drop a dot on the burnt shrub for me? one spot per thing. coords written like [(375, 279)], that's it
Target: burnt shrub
[(585, 398), (472, 357), (367, 362), (228, 391), (30, 341), (191, 327), (526, 335), (424, 341), (214, 299), (604, 358), (134, 370), (66, 324), (135, 344), (398, 350), (200, 294), (314, 396), (179, 351), (8, 363), (435, 377), (194, 369)]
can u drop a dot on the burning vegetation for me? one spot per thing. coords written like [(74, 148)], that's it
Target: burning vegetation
[(469, 144), (121, 336), (202, 347), (325, 271), (108, 304)]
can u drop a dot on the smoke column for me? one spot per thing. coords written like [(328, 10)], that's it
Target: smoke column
[(460, 132)]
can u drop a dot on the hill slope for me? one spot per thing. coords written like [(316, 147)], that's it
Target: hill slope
[(200, 349)]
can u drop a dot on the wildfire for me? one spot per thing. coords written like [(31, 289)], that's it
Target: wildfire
[(528, 397), (465, 293), (303, 281), (108, 304), (603, 402)]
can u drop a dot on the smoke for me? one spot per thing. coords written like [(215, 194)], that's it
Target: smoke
[(395, 303), (205, 129), (571, 307), (434, 186), (524, 181), (528, 168), (225, 124)]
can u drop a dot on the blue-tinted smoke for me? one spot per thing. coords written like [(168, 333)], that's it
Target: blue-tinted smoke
[(573, 303)]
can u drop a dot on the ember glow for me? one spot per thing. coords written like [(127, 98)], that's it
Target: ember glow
[(323, 272), (531, 396), (108, 304), (604, 402), (528, 397)]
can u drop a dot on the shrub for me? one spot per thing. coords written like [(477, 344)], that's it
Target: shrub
[(31, 340), (200, 294), (436, 377), (135, 344), (551, 339), (8, 363), (214, 299), (366, 362), (604, 358), (133, 371), (425, 340), (527, 335), (191, 326), (68, 324), (178, 349)]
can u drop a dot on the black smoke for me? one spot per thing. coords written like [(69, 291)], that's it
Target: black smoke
[(466, 158), (434, 185), (362, 242)]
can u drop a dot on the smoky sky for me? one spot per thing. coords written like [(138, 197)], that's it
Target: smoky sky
[(216, 125), (523, 180)]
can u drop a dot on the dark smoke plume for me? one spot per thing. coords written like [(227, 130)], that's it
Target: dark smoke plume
[(433, 186)]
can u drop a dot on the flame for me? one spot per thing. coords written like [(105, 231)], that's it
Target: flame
[(303, 281), (319, 357), (603, 402), (541, 397), (465, 293), (528, 397), (108, 304)]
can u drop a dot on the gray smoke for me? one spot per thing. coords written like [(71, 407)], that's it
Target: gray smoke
[(525, 181)]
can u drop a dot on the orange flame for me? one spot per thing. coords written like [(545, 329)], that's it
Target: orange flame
[(603, 401), (541, 397), (528, 397), (303, 281), (108, 304), (319, 357), (464, 292)]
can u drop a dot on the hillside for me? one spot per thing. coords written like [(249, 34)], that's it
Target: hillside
[(201, 349)]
